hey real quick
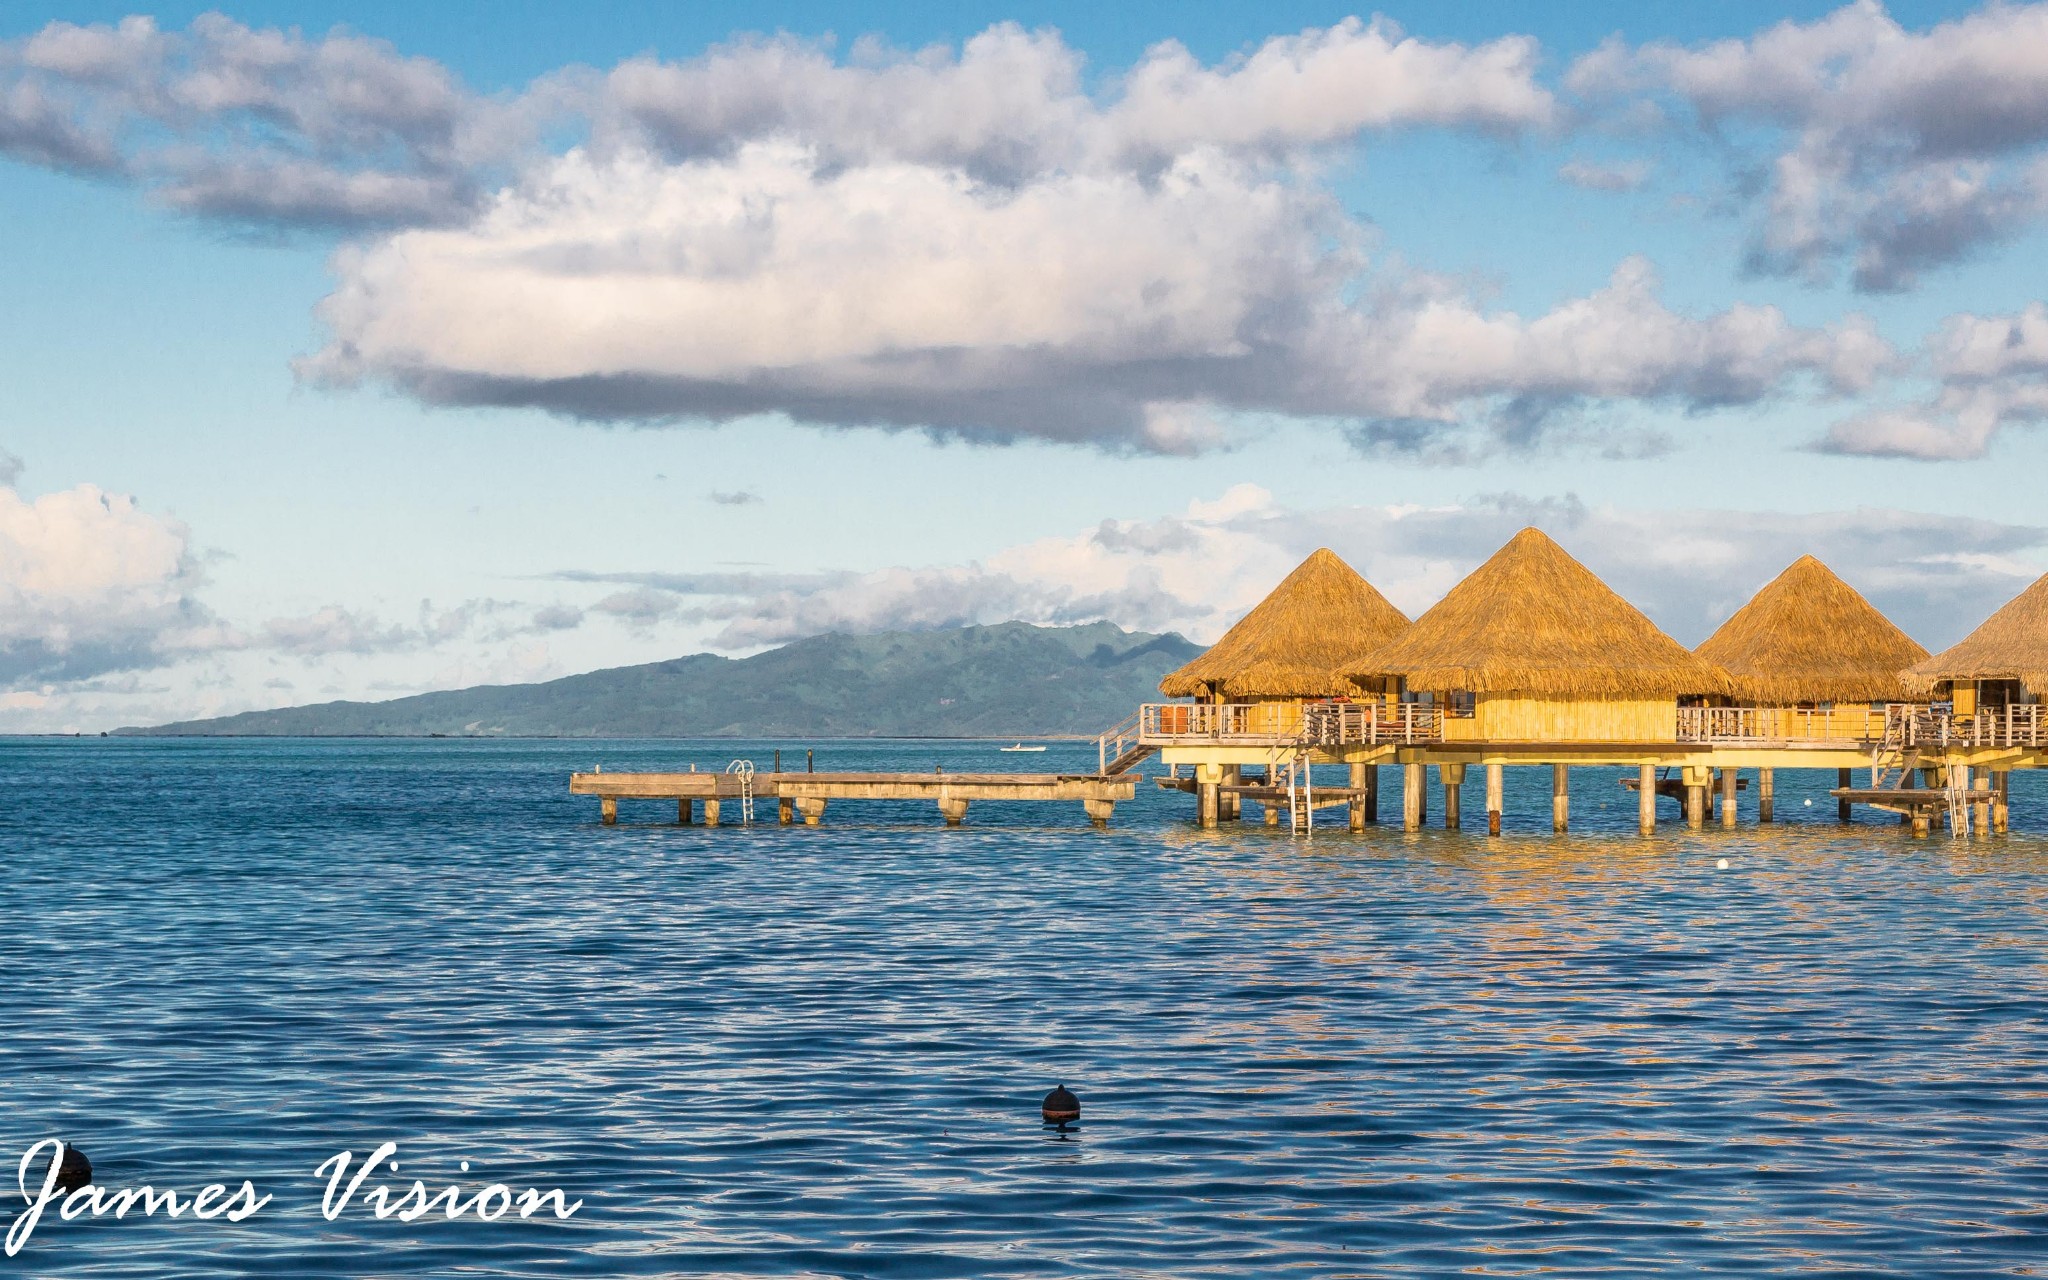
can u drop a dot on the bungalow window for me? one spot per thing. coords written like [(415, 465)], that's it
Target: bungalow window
[(1461, 705)]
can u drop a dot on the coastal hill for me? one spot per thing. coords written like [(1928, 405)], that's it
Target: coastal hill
[(1009, 680)]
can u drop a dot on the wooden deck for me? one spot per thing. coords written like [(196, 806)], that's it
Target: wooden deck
[(805, 794)]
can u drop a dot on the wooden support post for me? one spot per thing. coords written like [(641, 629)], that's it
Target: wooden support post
[(1495, 798), (785, 811), (1207, 776), (1099, 811), (813, 811), (1229, 805), (954, 811), (686, 811), (711, 813), (1696, 797), (1272, 808), (1922, 824), (1560, 797), (1729, 778), (1372, 793), (1766, 793), (1356, 809), (1842, 813), (1412, 785), (1453, 778), (608, 810), (2001, 804), (1981, 778), (1646, 799)]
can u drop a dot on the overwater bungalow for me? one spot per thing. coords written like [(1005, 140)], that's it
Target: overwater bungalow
[(1291, 650), (1988, 689), (1810, 660), (1532, 647)]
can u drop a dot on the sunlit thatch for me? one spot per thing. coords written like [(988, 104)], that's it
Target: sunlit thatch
[(1534, 621), (2011, 645), (1298, 641), (1811, 637)]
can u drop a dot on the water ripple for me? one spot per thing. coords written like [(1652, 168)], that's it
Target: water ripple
[(801, 1052)]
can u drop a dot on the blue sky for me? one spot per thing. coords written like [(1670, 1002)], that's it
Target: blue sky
[(356, 350)]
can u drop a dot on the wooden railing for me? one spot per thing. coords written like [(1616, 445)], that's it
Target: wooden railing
[(1270, 723), (2012, 725), (1855, 723), (1898, 724)]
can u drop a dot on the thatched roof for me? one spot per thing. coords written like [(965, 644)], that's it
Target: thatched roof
[(1298, 641), (1811, 637), (2011, 645), (1532, 620)]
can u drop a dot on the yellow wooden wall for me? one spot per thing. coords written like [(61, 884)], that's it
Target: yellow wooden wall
[(1511, 718)]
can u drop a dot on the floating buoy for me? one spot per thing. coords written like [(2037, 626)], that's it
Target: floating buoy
[(1061, 1107), (1809, 804), (1722, 864), (73, 1170)]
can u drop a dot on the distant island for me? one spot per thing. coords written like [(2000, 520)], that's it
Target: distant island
[(1009, 680)]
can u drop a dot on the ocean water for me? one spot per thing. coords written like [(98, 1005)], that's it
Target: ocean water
[(819, 1052)]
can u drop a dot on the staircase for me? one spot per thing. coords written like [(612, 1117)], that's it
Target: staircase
[(1118, 751)]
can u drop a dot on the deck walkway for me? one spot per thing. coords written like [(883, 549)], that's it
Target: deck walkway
[(805, 794)]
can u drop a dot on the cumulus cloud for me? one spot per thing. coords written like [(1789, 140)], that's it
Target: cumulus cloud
[(1111, 308), (1896, 151), (1991, 372), (735, 498), (89, 583), (1197, 572), (262, 125)]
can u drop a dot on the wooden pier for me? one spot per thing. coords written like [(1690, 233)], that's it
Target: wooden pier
[(804, 795)]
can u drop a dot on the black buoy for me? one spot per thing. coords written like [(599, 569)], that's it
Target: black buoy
[(1061, 1107), (73, 1170)]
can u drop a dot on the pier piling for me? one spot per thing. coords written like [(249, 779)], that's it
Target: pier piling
[(711, 810), (1355, 810), (1646, 799), (1495, 790), (608, 811), (954, 811), (1842, 806), (686, 811), (1453, 777), (1560, 797), (1765, 794), (1728, 781), (1372, 793), (785, 811), (1412, 792)]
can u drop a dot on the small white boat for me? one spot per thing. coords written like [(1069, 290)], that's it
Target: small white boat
[(1020, 747)]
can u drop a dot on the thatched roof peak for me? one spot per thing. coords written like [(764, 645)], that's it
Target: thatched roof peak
[(2011, 645), (1532, 620), (1808, 636), (1296, 642)]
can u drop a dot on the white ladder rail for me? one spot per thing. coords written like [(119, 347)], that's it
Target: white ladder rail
[(744, 771)]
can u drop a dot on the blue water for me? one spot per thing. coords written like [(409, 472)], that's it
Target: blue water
[(819, 1052)]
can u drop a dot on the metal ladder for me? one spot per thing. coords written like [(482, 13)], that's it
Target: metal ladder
[(1958, 796), (744, 770)]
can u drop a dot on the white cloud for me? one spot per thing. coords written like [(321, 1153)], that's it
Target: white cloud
[(1991, 374), (1197, 573), (1898, 151), (1106, 307), (89, 583)]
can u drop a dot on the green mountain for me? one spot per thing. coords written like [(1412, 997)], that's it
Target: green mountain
[(1011, 680)]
